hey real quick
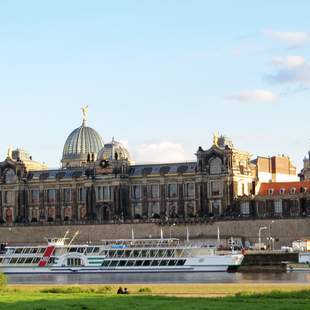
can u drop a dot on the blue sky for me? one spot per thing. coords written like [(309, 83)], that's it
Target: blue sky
[(162, 76)]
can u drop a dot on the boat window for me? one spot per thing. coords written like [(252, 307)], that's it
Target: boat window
[(80, 250), (147, 263), (36, 260), (120, 253), (161, 253), (51, 261), (135, 253), (127, 253), (14, 260), (181, 262), (163, 263), (96, 250), (21, 260), (6, 261), (74, 262), (169, 253), (172, 262), (72, 250), (1, 259), (122, 263), (28, 260), (34, 251), (89, 250), (139, 262), (111, 253), (155, 263), (41, 250), (27, 250), (105, 263), (130, 263), (18, 250), (113, 263)]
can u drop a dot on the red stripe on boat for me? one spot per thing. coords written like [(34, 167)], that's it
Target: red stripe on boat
[(47, 254)]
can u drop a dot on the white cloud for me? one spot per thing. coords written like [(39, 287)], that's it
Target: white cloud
[(290, 70), (259, 95), (290, 38), (125, 143), (288, 61), (161, 152)]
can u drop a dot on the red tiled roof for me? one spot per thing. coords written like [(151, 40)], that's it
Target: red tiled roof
[(287, 186)]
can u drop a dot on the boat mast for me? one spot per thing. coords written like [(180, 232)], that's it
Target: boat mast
[(75, 235)]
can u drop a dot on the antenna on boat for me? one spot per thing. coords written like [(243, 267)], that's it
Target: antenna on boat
[(75, 235), (65, 236), (161, 233), (187, 234), (132, 234)]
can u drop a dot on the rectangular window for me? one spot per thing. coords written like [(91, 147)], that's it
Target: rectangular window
[(81, 194), (172, 190), (278, 207), (106, 193), (245, 208), (34, 196), (8, 197), (67, 194), (51, 195), (136, 192), (99, 193), (153, 190), (103, 193), (190, 189), (215, 188)]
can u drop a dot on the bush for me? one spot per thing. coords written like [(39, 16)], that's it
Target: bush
[(302, 294), (77, 290), (3, 280), (145, 290)]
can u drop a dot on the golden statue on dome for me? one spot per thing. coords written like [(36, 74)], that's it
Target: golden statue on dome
[(85, 113), (9, 153), (216, 138)]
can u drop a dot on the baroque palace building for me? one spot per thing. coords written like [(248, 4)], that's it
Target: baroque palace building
[(100, 183)]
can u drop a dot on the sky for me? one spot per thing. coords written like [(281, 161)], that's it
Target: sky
[(161, 76)]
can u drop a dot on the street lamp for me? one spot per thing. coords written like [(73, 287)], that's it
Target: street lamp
[(259, 235), (269, 227), (170, 228)]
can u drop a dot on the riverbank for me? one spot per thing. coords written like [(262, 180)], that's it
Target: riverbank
[(201, 290), (221, 297)]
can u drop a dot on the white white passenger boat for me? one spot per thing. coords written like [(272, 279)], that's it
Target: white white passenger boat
[(115, 256)]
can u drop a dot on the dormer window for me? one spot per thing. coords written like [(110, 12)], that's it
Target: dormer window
[(293, 190), (282, 191), (303, 189), (215, 165), (270, 191)]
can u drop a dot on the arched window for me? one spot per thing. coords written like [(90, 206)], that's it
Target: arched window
[(215, 165)]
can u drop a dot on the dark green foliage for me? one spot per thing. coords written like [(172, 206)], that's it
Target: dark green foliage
[(145, 290), (77, 290), (3, 281)]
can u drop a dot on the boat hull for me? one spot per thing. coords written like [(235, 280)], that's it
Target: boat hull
[(94, 270)]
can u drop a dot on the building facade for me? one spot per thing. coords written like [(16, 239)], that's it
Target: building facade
[(305, 172), (99, 182), (277, 200)]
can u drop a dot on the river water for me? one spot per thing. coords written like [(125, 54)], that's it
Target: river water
[(211, 277)]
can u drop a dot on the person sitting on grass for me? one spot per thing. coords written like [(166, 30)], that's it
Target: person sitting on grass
[(120, 291), (126, 291)]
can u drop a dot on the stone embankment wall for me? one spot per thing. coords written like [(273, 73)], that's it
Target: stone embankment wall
[(285, 231)]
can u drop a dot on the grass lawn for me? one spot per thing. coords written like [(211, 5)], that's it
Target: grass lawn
[(104, 297)]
